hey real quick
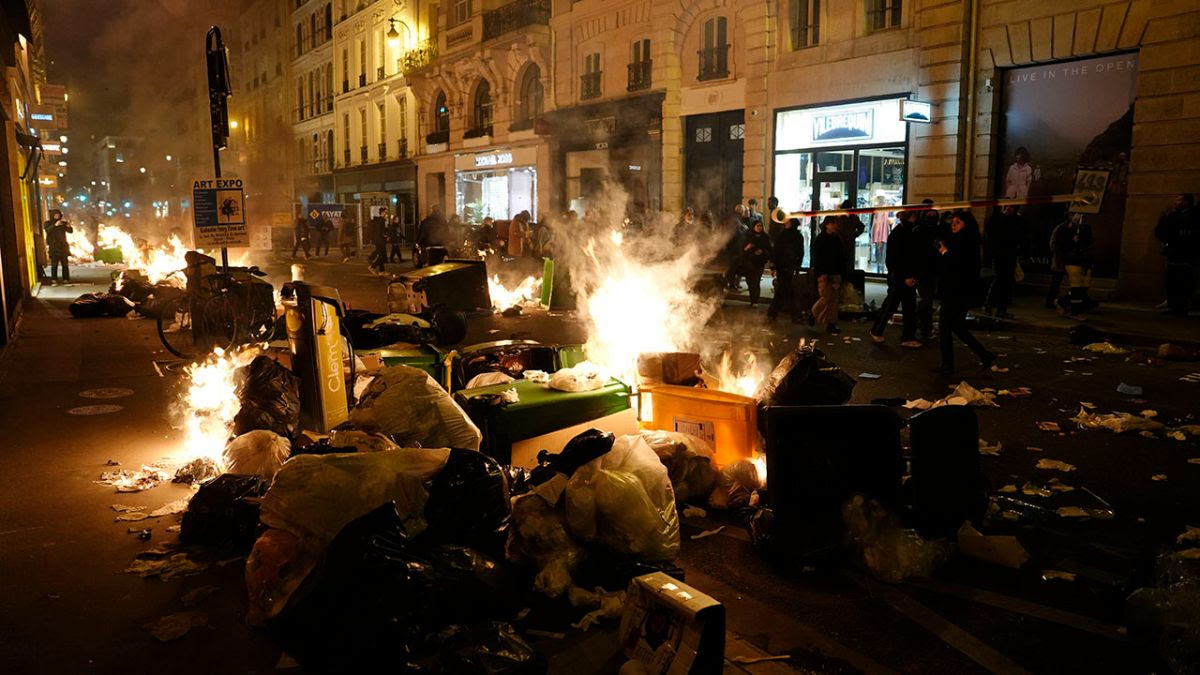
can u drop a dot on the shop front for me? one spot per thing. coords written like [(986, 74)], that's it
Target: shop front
[(855, 151), (365, 191), (499, 184)]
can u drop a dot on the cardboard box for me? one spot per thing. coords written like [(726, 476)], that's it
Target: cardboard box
[(672, 628)]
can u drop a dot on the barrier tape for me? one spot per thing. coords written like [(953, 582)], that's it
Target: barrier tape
[(780, 216)]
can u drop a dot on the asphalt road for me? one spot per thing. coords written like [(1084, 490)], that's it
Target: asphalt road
[(67, 611)]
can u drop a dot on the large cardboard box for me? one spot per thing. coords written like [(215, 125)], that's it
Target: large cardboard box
[(672, 628)]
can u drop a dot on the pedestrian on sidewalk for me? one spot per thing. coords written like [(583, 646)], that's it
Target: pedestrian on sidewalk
[(849, 228), (926, 231), (787, 254), (300, 236), (775, 227), (880, 224), (959, 263), (756, 251), (1003, 233), (1179, 232), (56, 230), (324, 228), (734, 230), (395, 237), (377, 231), (1071, 242), (829, 266), (902, 269), (346, 237)]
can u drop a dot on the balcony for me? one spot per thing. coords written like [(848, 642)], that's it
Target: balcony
[(478, 132), (418, 57), (639, 75), (714, 63), (363, 153), (514, 16), (589, 85), (438, 137), (382, 150), (380, 73), (402, 148)]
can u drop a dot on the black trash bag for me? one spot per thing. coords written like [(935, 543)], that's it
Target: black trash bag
[(469, 501), (94, 305), (612, 571), (224, 513), (270, 398), (1083, 334), (519, 480), (804, 377), (319, 447), (383, 598), (490, 649), (136, 290), (153, 305), (578, 451)]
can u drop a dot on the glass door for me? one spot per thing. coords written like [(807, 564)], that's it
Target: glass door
[(830, 189)]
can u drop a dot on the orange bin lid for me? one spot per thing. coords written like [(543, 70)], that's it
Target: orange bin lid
[(727, 421)]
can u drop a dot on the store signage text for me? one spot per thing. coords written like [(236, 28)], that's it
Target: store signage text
[(850, 125), (495, 159)]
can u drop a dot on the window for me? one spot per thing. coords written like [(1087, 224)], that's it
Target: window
[(639, 66), (328, 20), (382, 123), (441, 113), (345, 71), (346, 137), (381, 70), (362, 63), (402, 118), (714, 49), (312, 94), (589, 82), (299, 39), (737, 132), (362, 132), (300, 96), (883, 14), (328, 87), (313, 35), (460, 11), (482, 109), (531, 94), (804, 20), (316, 152)]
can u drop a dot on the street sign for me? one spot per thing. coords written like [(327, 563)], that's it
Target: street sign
[(334, 212), (219, 213)]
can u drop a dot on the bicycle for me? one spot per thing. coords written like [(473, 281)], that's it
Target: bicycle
[(218, 310)]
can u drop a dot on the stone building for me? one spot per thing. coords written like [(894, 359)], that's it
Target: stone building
[(310, 92)]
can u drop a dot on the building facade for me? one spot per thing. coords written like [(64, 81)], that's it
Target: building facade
[(310, 91)]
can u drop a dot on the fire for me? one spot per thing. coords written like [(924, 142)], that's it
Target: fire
[(210, 403), (156, 262), (760, 463), (743, 379), (522, 294), (82, 249)]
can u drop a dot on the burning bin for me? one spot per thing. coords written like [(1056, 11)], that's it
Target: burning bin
[(459, 285), (727, 421), (315, 336)]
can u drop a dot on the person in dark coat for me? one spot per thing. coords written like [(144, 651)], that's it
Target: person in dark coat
[(926, 231), (395, 238), (429, 233), (1003, 232), (1071, 244), (377, 231), (300, 236), (324, 227), (902, 268), (733, 231), (958, 266), (1179, 232), (829, 266), (849, 228), (775, 227), (56, 230), (787, 254), (756, 251)]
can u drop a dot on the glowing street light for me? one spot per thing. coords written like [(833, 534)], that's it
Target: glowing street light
[(393, 35), (233, 124), (141, 169), (168, 158)]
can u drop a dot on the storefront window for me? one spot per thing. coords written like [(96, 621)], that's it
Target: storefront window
[(496, 193)]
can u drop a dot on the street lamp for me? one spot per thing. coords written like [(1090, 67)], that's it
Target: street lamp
[(168, 158), (141, 169), (393, 35)]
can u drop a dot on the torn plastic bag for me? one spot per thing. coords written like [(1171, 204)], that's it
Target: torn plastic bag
[(276, 568), (314, 496), (270, 398), (804, 377), (491, 649), (890, 552), (624, 500), (352, 440), (94, 305), (257, 453), (488, 379), (224, 513), (583, 377), (688, 460), (538, 540), (408, 405), (735, 485), (469, 501)]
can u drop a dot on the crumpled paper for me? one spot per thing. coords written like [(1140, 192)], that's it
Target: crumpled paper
[(175, 626), (1105, 348), (1117, 422), (167, 568), (1054, 464)]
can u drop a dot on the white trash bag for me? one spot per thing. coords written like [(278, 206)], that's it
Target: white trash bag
[(257, 453), (583, 377), (408, 405), (624, 500)]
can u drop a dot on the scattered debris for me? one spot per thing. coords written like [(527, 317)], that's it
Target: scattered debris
[(1008, 489), (1005, 551), (1190, 533), (194, 596), (694, 512), (1059, 486), (168, 509), (197, 471), (123, 508), (1016, 392), (1118, 422), (1072, 512), (999, 369), (175, 626), (166, 568), (869, 376), (1129, 389), (1054, 464), (1050, 575), (112, 462), (1049, 426), (1033, 448), (129, 480), (1159, 477), (1034, 490), (989, 450), (1105, 348), (708, 533)]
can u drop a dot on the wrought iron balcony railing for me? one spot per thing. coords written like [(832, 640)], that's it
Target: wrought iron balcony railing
[(514, 16)]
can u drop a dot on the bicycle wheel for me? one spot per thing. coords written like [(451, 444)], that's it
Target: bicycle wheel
[(220, 322), (175, 328)]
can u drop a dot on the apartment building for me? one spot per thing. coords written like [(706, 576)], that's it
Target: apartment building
[(310, 92)]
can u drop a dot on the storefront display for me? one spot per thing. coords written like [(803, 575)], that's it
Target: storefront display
[(854, 151), (497, 184)]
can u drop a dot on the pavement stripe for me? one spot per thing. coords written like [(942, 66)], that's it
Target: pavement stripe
[(969, 645), (1011, 604)]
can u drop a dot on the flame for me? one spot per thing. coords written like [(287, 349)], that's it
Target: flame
[(760, 463), (743, 379), (617, 237), (210, 403), (523, 293), (82, 249), (157, 263)]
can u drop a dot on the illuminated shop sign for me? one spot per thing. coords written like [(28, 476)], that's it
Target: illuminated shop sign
[(494, 159), (855, 125)]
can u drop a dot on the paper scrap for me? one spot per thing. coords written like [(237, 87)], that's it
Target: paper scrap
[(1159, 477), (1033, 448), (1190, 533), (1177, 435), (1049, 575), (1072, 512), (1049, 426), (1008, 489), (1129, 389), (869, 376), (690, 511), (1035, 490), (1054, 464), (708, 533), (1059, 486), (991, 450)]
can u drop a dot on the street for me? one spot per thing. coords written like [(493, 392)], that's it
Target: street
[(62, 554)]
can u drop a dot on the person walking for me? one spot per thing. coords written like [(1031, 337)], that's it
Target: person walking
[(829, 266), (56, 229), (849, 228), (377, 231), (756, 251), (1179, 232), (775, 227), (1003, 233), (926, 231), (1071, 243), (902, 268), (324, 227), (518, 232), (787, 254), (958, 265), (346, 236), (429, 231), (300, 233), (880, 222), (395, 237)]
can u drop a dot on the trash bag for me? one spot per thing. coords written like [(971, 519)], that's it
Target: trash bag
[(735, 485), (277, 566), (1083, 334), (94, 305), (538, 541), (804, 377), (352, 440), (583, 377), (623, 499), (270, 398), (688, 460), (890, 552), (409, 406), (488, 379), (469, 501), (224, 513), (257, 453), (580, 450), (314, 496), (491, 649)]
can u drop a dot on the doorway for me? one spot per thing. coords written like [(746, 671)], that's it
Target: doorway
[(713, 162)]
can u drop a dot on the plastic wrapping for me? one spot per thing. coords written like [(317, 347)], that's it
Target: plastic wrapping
[(257, 453), (270, 398), (624, 500), (224, 512), (583, 377), (278, 564), (688, 460), (488, 379), (314, 496), (735, 485), (469, 501), (805, 377), (408, 405), (351, 440), (888, 550), (538, 540)]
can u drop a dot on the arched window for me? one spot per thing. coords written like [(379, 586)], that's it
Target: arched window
[(531, 94), (482, 108), (441, 113)]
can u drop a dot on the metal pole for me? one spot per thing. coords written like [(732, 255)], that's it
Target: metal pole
[(218, 93)]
